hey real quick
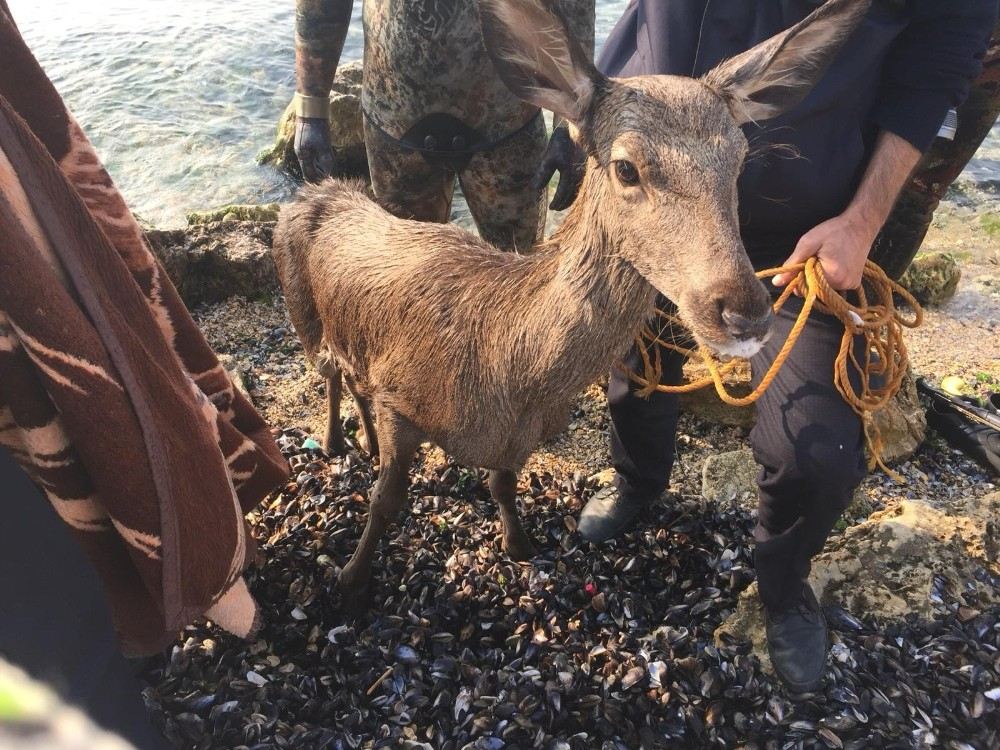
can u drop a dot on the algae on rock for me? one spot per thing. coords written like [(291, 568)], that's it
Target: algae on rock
[(932, 278), (267, 212)]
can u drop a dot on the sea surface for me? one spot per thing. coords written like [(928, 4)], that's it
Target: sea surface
[(179, 96)]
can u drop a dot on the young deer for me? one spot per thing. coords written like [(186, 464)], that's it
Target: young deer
[(442, 337)]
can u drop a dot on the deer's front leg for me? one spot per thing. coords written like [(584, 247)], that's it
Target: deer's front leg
[(387, 500), (516, 543)]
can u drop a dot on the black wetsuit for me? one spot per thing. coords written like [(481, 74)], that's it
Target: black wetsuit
[(910, 62)]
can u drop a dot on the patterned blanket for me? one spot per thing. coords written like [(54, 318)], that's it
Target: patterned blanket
[(110, 397)]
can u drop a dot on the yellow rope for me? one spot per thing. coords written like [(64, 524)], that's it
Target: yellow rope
[(877, 320)]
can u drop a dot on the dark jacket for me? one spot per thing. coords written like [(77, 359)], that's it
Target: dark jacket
[(901, 71)]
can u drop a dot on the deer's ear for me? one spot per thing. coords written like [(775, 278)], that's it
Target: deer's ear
[(537, 57), (774, 76)]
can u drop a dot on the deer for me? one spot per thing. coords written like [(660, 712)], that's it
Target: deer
[(442, 338)]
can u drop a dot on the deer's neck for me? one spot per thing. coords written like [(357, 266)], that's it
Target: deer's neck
[(595, 301)]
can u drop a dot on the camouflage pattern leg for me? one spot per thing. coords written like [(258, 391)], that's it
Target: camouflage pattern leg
[(404, 183), (907, 226), (509, 212)]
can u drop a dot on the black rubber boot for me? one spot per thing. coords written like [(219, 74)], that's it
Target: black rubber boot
[(798, 642), (610, 512)]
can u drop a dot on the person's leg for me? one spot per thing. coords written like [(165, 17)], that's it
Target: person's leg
[(54, 618), (404, 183), (642, 445), (509, 212), (809, 444)]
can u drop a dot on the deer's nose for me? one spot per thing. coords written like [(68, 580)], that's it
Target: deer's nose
[(742, 328)]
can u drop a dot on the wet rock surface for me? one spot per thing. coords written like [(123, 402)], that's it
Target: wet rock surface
[(346, 129), (267, 212), (212, 262), (730, 478), (932, 278)]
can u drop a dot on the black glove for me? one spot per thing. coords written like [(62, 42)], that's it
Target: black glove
[(564, 156), (313, 149)]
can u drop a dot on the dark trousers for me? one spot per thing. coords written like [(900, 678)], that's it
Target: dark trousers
[(54, 618), (807, 441)]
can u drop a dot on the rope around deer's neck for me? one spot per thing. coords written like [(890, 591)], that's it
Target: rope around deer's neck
[(877, 320)]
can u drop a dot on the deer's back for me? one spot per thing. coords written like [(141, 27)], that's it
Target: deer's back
[(426, 318)]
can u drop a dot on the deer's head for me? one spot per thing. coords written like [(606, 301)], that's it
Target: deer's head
[(664, 152)]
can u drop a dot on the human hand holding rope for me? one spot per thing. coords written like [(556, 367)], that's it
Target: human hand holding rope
[(874, 316), (841, 245)]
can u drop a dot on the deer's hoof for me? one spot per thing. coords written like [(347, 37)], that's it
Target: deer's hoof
[(519, 548)]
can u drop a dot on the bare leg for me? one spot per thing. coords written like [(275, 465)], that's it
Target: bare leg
[(333, 440), (516, 543), (510, 214), (400, 441), (368, 437)]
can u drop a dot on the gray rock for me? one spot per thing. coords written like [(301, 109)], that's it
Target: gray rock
[(896, 563), (706, 405), (932, 278), (902, 423), (730, 478), (346, 129), (212, 262)]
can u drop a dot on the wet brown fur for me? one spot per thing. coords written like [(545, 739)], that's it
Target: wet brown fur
[(442, 337)]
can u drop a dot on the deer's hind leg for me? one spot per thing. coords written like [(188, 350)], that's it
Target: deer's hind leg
[(516, 543), (333, 439), (369, 436), (399, 444)]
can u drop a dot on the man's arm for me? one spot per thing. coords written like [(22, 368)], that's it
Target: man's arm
[(320, 30), (928, 71), (842, 244)]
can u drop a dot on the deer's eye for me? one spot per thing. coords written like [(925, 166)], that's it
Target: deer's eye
[(627, 174)]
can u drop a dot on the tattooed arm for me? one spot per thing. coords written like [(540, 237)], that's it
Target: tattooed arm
[(320, 31)]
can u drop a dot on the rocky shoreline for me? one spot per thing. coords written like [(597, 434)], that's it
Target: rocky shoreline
[(652, 641)]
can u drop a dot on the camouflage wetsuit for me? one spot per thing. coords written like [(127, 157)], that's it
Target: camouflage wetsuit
[(434, 108)]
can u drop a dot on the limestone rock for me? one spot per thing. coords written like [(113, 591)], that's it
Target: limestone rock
[(747, 624), (705, 403), (886, 566), (267, 212), (346, 129), (902, 423), (730, 478), (932, 278), (209, 263)]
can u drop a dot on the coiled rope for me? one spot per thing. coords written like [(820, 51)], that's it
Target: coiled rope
[(874, 317)]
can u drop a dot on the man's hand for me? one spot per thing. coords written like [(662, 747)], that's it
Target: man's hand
[(312, 147), (841, 245), (564, 156)]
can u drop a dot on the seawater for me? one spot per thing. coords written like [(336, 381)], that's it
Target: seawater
[(179, 96)]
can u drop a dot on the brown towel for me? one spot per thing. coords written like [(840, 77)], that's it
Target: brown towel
[(110, 398)]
